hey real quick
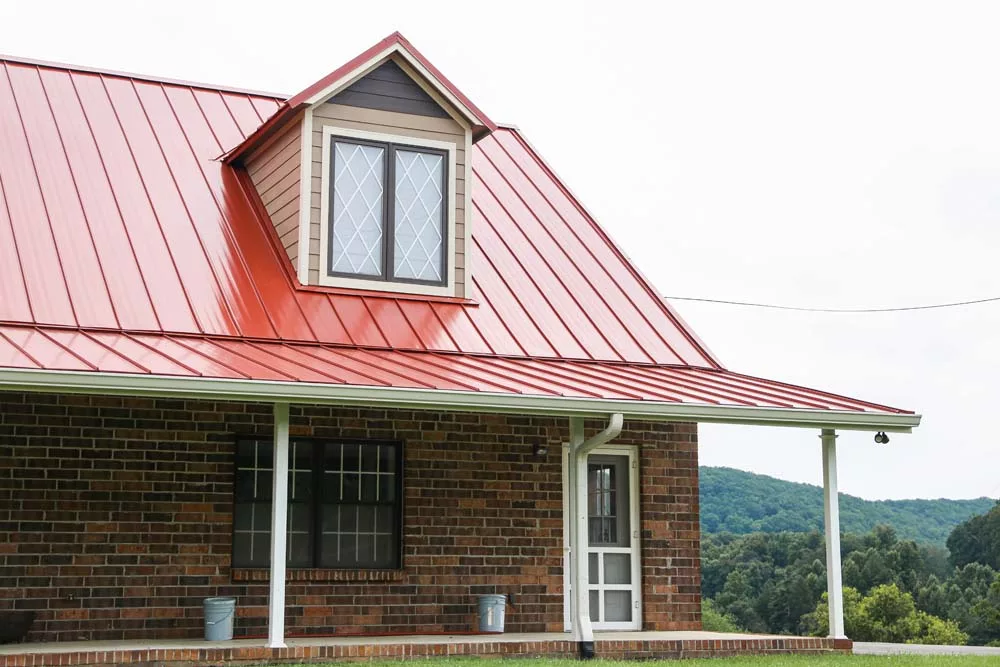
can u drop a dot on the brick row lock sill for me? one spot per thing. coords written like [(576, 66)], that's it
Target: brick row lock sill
[(318, 574)]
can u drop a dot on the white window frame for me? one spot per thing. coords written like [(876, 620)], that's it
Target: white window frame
[(448, 289)]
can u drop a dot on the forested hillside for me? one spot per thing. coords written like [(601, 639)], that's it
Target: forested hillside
[(741, 502), (894, 590)]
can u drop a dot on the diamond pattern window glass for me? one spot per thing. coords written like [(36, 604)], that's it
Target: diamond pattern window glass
[(419, 234), (358, 212), (388, 212)]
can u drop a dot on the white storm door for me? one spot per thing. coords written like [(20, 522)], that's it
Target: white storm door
[(613, 564)]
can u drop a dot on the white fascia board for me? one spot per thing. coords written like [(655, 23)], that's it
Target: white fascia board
[(439, 399)]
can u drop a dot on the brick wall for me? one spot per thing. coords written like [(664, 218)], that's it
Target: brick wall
[(115, 519)]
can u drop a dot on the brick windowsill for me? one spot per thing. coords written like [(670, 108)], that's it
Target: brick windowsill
[(263, 574)]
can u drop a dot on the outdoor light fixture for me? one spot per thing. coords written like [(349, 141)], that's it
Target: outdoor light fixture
[(881, 438), (541, 450)]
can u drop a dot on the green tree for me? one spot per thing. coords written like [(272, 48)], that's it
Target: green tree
[(977, 540), (817, 622), (713, 620), (985, 615), (886, 614), (934, 630)]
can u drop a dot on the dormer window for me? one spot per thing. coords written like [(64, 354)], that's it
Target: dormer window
[(387, 211), (387, 205), (367, 179)]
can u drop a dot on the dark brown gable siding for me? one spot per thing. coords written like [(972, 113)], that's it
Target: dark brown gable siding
[(389, 88)]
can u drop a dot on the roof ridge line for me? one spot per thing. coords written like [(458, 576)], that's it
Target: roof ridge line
[(91, 69), (285, 341)]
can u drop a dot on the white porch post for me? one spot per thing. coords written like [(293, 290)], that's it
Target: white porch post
[(831, 518), (583, 630), (279, 518)]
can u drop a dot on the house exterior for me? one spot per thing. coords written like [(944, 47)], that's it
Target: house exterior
[(365, 317)]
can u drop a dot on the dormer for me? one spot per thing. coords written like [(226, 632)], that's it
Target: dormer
[(365, 176)]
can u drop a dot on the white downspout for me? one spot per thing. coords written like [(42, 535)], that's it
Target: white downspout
[(279, 518), (831, 521), (583, 629)]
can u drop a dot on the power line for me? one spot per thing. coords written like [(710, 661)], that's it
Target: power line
[(952, 304)]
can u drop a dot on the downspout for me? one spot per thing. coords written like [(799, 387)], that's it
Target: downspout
[(583, 629)]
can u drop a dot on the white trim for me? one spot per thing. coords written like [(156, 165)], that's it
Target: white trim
[(470, 212), (439, 399), (305, 195), (374, 62), (326, 280), (831, 527), (635, 549), (279, 518)]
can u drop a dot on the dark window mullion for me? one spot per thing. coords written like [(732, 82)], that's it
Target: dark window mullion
[(445, 212), (390, 212)]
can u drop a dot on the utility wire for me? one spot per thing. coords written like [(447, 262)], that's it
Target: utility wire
[(834, 310)]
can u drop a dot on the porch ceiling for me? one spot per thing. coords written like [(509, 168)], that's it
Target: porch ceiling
[(100, 361)]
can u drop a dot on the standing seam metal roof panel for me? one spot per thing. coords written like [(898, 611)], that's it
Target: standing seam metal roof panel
[(198, 356), (127, 246)]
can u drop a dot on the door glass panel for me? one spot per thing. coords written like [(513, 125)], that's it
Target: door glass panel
[(617, 568), (595, 606), (617, 606), (592, 574), (608, 501)]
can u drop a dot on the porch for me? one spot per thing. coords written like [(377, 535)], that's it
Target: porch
[(322, 649), (145, 498)]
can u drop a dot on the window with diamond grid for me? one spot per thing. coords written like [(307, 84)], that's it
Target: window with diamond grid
[(388, 213)]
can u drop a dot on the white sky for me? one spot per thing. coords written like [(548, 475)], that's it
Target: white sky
[(833, 154)]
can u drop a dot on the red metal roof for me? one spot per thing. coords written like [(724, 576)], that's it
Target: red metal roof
[(53, 349), (116, 215), (127, 247)]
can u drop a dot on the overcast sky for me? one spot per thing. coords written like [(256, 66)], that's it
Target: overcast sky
[(838, 154)]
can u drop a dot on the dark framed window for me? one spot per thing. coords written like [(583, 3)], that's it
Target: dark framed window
[(388, 212), (608, 500), (344, 504)]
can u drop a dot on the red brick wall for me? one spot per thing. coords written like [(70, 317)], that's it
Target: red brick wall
[(116, 519)]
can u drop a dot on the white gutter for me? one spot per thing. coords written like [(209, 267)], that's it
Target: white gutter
[(583, 627), (441, 399)]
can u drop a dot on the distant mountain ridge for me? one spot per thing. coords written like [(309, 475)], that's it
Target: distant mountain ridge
[(741, 502)]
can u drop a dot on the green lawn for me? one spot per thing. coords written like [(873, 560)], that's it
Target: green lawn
[(751, 661)]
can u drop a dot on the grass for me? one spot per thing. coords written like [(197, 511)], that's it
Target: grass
[(744, 661)]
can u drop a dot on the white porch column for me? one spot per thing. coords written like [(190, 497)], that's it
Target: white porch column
[(279, 518), (583, 630), (831, 520)]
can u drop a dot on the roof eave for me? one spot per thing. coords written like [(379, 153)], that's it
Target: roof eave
[(437, 399)]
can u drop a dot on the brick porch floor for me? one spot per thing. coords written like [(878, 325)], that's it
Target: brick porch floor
[(639, 645)]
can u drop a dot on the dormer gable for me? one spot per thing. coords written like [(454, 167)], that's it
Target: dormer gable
[(365, 176)]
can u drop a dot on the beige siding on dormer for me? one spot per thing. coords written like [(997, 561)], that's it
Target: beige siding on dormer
[(388, 122), (274, 170)]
